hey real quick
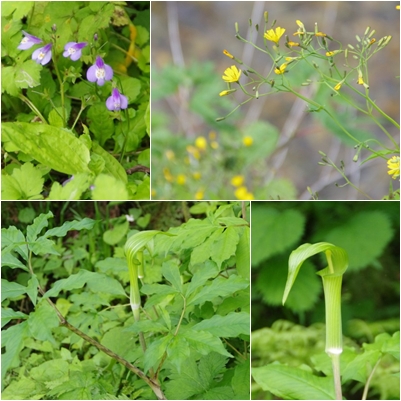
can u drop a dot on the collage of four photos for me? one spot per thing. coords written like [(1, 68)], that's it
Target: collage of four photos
[(200, 200)]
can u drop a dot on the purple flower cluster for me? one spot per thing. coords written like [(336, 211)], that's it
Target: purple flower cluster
[(99, 72)]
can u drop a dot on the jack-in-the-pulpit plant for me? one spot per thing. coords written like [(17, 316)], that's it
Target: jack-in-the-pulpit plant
[(337, 263)]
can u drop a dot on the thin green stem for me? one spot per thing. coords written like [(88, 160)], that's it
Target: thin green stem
[(366, 388), (61, 88), (335, 359), (79, 115), (32, 107)]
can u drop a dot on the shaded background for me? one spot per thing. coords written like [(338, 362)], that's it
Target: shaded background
[(187, 32)]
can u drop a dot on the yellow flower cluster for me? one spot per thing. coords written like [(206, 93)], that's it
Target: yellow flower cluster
[(393, 165)]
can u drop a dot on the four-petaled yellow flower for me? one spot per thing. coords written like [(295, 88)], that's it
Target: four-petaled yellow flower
[(393, 165), (232, 74), (274, 35), (280, 70)]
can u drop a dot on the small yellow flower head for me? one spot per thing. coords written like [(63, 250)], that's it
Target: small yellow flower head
[(393, 165), (197, 175), (338, 86), (360, 80), (181, 179), (298, 33), (274, 35), (153, 192), (247, 141), (292, 44), (242, 193), (228, 54), (280, 70), (200, 193), (201, 142), (170, 154), (167, 175), (212, 135), (193, 151), (321, 34), (237, 180), (227, 92), (300, 24), (231, 74), (214, 145), (397, 7)]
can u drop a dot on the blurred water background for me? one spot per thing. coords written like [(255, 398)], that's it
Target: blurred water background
[(184, 33)]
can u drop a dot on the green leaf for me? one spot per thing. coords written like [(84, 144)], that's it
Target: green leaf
[(11, 289), (84, 224), (280, 230), (7, 80), (231, 325), (120, 341), (25, 182), (7, 259), (50, 371), (339, 259), (290, 383), (146, 326), (131, 88), (360, 367), (357, 237), (220, 287), (202, 252), (101, 124), (206, 271), (240, 381), (242, 253), (386, 344), (204, 342), (116, 233), (42, 321), (32, 288), (37, 226), (21, 389), (73, 189), (171, 272), (109, 187), (27, 75), (42, 142), (225, 245), (102, 283), (8, 314), (178, 352), (147, 119), (155, 351), (13, 238)]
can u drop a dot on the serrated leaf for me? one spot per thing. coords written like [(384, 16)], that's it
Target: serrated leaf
[(360, 367), (27, 75), (101, 124), (13, 238), (25, 182), (155, 351), (73, 189), (178, 352), (42, 321), (37, 226), (273, 232), (231, 325), (207, 270), (50, 370), (242, 253), (290, 383), (240, 381), (171, 272), (42, 142), (11, 289), (8, 314), (204, 342), (225, 245), (220, 287)]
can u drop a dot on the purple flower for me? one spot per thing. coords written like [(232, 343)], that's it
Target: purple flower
[(43, 55), (28, 41), (74, 50), (99, 72), (116, 101)]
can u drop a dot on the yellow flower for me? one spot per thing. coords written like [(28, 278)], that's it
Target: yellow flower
[(300, 24), (170, 154), (329, 54), (247, 141), (200, 193), (197, 175), (274, 35), (201, 142), (360, 80), (212, 135), (227, 92), (321, 34), (193, 151), (338, 86), (298, 33), (280, 70), (292, 44), (237, 180), (397, 7), (242, 193), (181, 179), (228, 54), (167, 175), (393, 165), (232, 74), (214, 145)]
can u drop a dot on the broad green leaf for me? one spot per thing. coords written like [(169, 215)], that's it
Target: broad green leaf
[(202, 252), (225, 245), (357, 236), (109, 187), (144, 158), (206, 271), (240, 381), (155, 351), (73, 189), (42, 246), (42, 321), (55, 119), (116, 233), (102, 283), (220, 287), (84, 224), (42, 142), (25, 182), (231, 325), (7, 259), (101, 124), (219, 393), (242, 254), (386, 344), (13, 238), (32, 288), (361, 367), (11, 289), (8, 314), (21, 389), (171, 273), (27, 75), (204, 342), (147, 326), (273, 232), (131, 88), (37, 226), (338, 256), (178, 352), (7, 80), (142, 191), (290, 383), (78, 387), (50, 370), (13, 341), (121, 342)]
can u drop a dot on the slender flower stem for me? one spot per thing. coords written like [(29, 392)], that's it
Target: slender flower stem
[(32, 107), (61, 88)]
